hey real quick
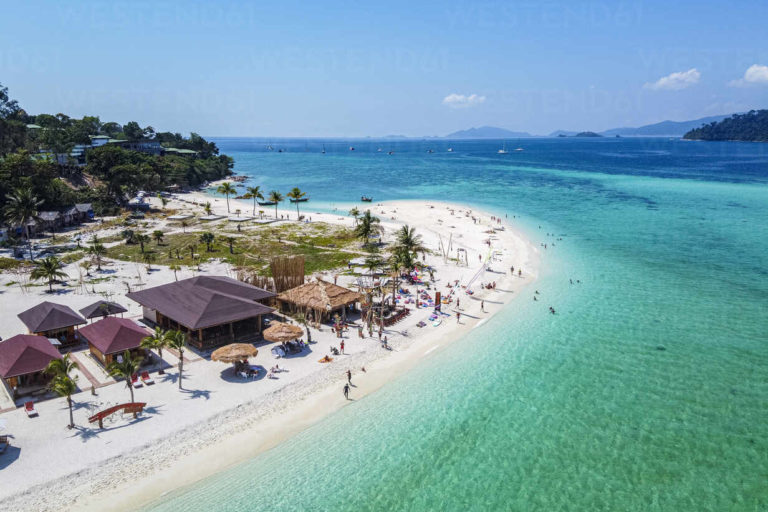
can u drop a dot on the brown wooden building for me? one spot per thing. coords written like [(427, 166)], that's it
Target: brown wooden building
[(111, 336), (55, 321), (23, 359), (212, 310)]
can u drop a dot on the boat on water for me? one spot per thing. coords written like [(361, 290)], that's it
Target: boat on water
[(367, 199), (323, 148), (299, 200), (266, 203), (378, 150), (519, 149), (430, 151), (351, 148), (503, 150), (390, 152), (450, 150)]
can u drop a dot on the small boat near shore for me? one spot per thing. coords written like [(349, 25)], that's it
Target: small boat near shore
[(367, 199), (299, 200), (266, 203)]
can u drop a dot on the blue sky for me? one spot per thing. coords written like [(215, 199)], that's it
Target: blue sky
[(415, 68)]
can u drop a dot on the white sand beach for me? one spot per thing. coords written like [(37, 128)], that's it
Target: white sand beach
[(218, 419)]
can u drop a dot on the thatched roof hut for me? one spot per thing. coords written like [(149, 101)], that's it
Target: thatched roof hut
[(319, 296), (280, 332), (234, 352)]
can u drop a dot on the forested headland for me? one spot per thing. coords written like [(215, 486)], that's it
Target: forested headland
[(62, 161)]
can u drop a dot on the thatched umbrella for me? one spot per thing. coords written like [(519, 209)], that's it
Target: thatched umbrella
[(281, 332), (234, 352)]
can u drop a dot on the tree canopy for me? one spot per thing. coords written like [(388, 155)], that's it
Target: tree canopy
[(752, 126)]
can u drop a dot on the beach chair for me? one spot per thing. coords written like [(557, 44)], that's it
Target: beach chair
[(243, 375), (29, 407), (135, 381), (146, 378)]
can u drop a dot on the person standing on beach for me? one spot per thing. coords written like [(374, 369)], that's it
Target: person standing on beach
[(346, 391), (342, 346), (349, 376), (482, 306), (458, 317)]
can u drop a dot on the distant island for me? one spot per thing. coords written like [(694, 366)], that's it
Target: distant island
[(749, 127), (587, 134), (59, 161), (487, 132), (663, 129)]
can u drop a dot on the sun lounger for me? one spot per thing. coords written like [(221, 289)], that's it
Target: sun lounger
[(135, 381), (243, 375), (146, 378), (30, 408)]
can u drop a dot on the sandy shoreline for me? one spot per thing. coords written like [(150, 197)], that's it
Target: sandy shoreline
[(205, 438)]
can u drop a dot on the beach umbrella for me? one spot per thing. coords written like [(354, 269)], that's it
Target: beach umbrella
[(281, 332), (234, 352)]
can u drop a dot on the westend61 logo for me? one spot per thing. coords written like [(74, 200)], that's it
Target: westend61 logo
[(544, 15)]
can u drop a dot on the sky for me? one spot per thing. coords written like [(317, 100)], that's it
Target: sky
[(349, 69)]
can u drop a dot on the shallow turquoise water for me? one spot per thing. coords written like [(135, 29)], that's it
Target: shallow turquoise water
[(578, 411)]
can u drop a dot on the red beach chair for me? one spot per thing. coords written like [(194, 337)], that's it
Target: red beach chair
[(29, 407), (146, 378)]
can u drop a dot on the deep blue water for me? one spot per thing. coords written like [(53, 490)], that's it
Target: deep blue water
[(648, 390)]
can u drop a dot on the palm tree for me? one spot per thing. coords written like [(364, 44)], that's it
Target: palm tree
[(207, 239), (275, 197), (97, 251), (158, 341), (48, 268), (62, 384), (148, 258), (174, 267), (87, 266), (162, 199), (178, 340), (126, 369), (296, 194), (21, 209), (230, 240), (184, 223), (65, 386), (142, 239), (368, 226), (158, 236), (355, 213), (397, 262), (128, 235), (226, 188), (61, 366), (254, 193), (408, 244), (207, 208)]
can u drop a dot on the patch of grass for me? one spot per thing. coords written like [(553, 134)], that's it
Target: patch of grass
[(10, 263), (72, 257), (319, 243)]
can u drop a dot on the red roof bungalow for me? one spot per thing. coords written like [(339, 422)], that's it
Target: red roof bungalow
[(52, 321), (112, 336), (23, 359)]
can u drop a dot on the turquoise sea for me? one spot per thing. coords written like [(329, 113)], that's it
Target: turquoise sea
[(648, 391)]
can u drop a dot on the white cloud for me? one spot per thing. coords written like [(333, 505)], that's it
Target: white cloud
[(463, 100), (755, 74), (675, 81)]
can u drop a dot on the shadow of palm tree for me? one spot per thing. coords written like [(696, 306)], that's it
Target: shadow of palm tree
[(197, 393)]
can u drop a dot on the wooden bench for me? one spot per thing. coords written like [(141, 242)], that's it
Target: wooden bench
[(131, 408)]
